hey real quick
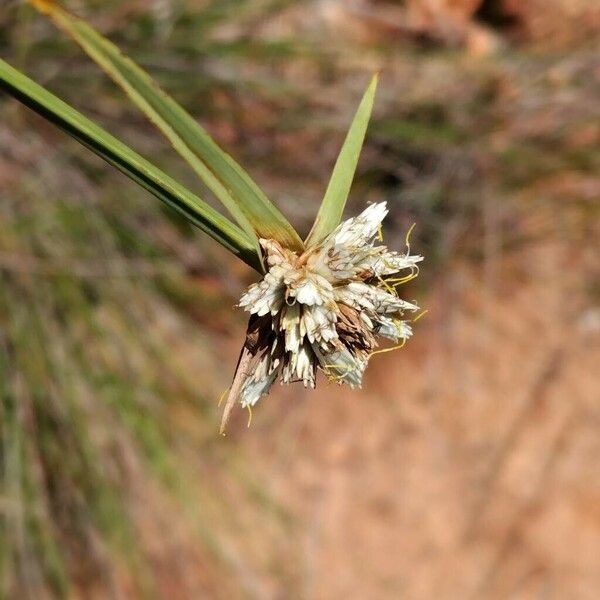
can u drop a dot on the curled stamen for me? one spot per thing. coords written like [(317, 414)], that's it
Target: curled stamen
[(402, 280), (382, 350)]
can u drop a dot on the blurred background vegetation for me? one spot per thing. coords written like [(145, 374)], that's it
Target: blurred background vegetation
[(465, 468)]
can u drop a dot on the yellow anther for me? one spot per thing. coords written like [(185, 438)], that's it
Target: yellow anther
[(380, 232), (249, 415), (420, 315)]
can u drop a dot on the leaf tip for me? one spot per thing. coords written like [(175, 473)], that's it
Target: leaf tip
[(374, 81), (45, 6)]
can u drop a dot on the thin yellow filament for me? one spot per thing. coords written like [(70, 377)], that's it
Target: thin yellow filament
[(388, 349), (387, 286), (400, 280), (414, 269), (249, 415), (408, 238)]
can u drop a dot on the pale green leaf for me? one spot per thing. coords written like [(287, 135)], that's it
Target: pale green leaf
[(247, 203), (334, 201), (129, 162)]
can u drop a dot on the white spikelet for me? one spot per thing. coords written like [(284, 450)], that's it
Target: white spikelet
[(324, 309)]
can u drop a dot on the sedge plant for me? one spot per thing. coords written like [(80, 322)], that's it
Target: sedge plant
[(321, 303)]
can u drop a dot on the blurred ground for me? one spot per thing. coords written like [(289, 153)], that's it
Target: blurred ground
[(466, 468)]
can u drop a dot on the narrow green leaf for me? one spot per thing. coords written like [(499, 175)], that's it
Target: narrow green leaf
[(225, 178), (332, 207), (129, 162)]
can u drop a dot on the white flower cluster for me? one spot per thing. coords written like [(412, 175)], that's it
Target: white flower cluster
[(325, 308)]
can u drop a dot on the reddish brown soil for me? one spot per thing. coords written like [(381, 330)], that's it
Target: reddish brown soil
[(467, 467)]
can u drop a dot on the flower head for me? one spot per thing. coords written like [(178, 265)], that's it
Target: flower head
[(323, 309)]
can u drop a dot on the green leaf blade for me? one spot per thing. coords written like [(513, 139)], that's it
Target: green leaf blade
[(334, 201), (129, 162), (242, 197)]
